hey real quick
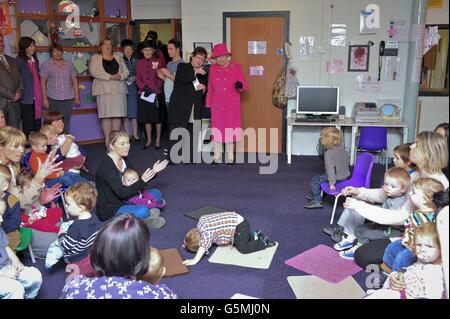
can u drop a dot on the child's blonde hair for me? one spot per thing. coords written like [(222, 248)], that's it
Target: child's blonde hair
[(399, 174), (37, 138), (428, 230), (83, 194), (429, 187), (113, 137), (5, 173), (156, 269), (434, 148), (12, 136), (192, 240), (24, 179), (48, 130), (331, 137)]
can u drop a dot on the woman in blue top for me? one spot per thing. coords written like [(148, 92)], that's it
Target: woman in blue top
[(120, 256), (130, 59)]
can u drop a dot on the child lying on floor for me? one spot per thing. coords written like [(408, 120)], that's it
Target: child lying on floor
[(223, 229)]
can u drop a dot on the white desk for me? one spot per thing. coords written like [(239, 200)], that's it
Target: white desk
[(342, 123)]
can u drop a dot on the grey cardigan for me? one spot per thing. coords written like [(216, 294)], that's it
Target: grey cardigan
[(337, 164)]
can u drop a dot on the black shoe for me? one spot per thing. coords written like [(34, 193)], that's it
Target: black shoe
[(330, 230), (157, 147), (230, 163), (146, 147), (269, 242), (214, 163)]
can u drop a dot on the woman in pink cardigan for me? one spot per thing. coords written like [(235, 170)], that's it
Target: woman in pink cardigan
[(226, 82)]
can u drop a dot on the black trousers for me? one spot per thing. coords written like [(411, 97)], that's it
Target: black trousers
[(243, 240), (371, 253), (29, 123)]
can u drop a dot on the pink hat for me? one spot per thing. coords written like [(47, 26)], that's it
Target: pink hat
[(220, 50)]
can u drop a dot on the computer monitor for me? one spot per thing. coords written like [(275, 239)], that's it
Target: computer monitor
[(318, 100)]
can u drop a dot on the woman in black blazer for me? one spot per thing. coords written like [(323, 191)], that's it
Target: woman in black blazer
[(112, 194), (187, 100)]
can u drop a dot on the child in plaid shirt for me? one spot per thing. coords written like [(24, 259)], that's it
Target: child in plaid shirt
[(151, 198), (223, 229)]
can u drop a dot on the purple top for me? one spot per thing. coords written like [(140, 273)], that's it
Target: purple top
[(59, 79), (146, 75), (114, 288)]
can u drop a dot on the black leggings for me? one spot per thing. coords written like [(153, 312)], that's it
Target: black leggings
[(244, 242), (371, 253), (29, 123)]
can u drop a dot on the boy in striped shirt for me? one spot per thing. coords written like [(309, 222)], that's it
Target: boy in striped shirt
[(223, 229), (80, 200)]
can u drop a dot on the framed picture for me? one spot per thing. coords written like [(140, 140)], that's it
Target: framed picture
[(207, 45), (358, 58)]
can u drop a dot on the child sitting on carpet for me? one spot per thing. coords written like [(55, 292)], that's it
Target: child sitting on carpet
[(425, 278), (11, 215), (156, 269), (16, 281), (396, 185), (77, 241), (401, 158), (151, 198), (399, 254), (223, 229), (336, 165), (38, 216)]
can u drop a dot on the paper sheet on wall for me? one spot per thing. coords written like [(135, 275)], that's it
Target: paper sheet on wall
[(151, 98), (398, 31), (257, 70), (338, 36), (306, 47), (335, 66), (393, 68), (80, 65), (365, 83), (257, 47)]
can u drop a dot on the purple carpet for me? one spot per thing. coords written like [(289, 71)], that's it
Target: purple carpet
[(324, 262), (273, 203)]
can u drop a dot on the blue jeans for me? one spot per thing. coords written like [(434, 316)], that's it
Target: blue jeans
[(138, 211), (397, 257), (26, 285), (67, 180), (316, 190)]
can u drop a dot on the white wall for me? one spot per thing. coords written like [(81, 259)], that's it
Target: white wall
[(155, 9), (202, 21)]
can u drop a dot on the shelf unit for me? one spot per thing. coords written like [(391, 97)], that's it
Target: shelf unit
[(85, 124)]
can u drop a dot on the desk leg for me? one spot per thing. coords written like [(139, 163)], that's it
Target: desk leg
[(289, 143), (405, 135), (353, 145)]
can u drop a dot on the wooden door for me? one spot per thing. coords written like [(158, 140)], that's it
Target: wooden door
[(256, 104)]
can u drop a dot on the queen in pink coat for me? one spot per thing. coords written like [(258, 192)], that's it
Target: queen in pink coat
[(226, 82)]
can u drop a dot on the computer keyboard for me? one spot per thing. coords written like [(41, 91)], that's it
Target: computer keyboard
[(313, 120)]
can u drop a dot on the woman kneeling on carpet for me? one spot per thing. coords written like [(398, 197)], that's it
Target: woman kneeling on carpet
[(126, 240), (223, 229), (112, 193)]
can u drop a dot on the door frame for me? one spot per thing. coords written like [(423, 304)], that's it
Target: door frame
[(251, 14)]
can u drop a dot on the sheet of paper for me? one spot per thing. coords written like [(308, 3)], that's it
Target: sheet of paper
[(257, 47), (80, 65), (392, 70), (257, 70), (306, 46), (151, 98), (338, 35), (335, 66)]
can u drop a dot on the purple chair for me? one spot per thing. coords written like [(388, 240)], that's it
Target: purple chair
[(373, 140), (362, 173)]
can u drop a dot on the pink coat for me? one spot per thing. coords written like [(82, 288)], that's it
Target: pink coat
[(225, 100)]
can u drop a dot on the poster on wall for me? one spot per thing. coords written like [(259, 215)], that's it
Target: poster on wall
[(5, 19), (338, 36), (369, 19), (257, 47), (358, 58), (335, 66), (257, 70), (392, 70), (365, 83), (306, 47), (398, 31)]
